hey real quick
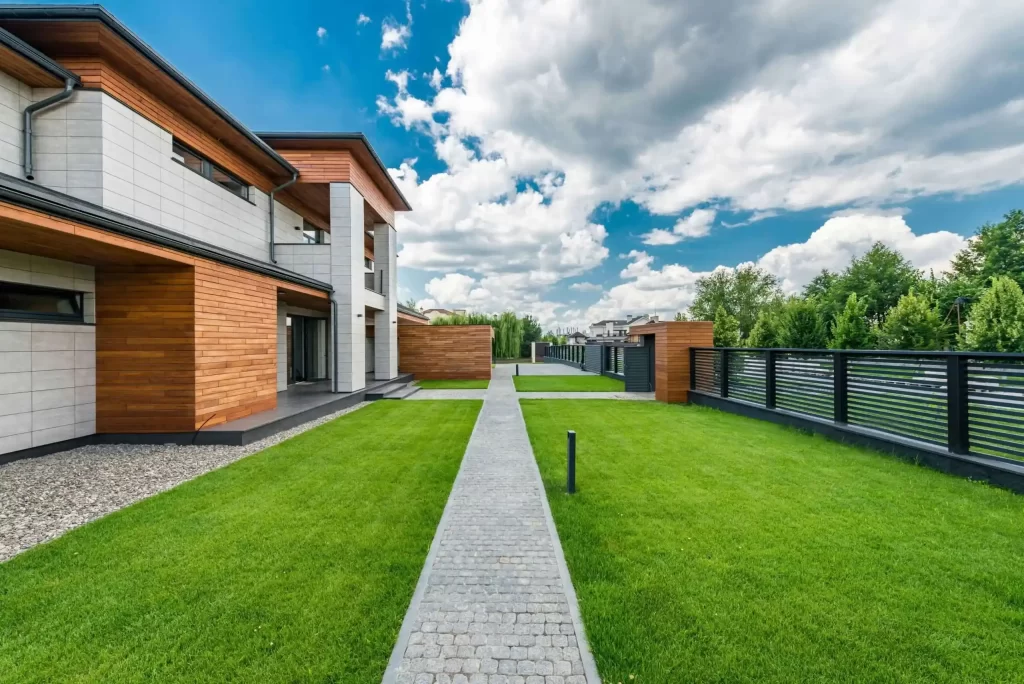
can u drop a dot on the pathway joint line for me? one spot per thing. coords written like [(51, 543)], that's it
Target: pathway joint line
[(494, 602)]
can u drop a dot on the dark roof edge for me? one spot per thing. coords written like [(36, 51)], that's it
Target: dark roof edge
[(411, 312), (361, 137), (99, 13), (25, 194), (38, 58)]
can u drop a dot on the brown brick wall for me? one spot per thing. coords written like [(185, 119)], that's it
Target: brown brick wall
[(443, 352)]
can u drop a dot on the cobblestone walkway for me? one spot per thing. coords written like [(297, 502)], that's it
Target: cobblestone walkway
[(494, 604)]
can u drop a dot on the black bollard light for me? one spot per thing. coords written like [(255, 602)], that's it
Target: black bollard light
[(570, 476), (517, 369)]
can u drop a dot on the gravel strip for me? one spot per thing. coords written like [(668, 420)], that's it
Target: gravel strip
[(42, 498)]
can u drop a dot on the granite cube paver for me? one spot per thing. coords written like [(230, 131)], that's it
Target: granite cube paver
[(494, 608)]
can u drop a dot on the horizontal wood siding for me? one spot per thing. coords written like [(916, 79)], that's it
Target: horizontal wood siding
[(672, 343), (26, 71), (339, 166), (145, 349), (236, 343), (440, 352)]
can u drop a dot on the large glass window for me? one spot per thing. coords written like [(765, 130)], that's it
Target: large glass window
[(28, 302), (207, 169), (311, 234)]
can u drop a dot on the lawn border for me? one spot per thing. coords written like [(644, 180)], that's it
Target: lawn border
[(406, 630), (586, 656), (1001, 473)]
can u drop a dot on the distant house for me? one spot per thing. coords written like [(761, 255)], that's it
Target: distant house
[(576, 338), (609, 329), (643, 319)]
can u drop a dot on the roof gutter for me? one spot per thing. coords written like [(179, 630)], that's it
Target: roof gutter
[(295, 177), (26, 141)]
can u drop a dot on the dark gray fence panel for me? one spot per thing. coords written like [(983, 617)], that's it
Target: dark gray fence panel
[(592, 361), (636, 362)]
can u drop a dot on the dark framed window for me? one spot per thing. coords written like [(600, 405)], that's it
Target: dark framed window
[(207, 169), (368, 263), (311, 234), (32, 303)]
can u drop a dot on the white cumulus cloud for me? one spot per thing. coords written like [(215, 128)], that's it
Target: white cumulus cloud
[(696, 225), (395, 35)]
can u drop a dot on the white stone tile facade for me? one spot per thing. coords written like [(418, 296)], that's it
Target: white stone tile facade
[(47, 370)]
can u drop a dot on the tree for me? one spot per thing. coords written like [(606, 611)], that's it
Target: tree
[(531, 333), (727, 329), (765, 332), (820, 285), (912, 324), (741, 293), (800, 326), (879, 279), (410, 304), (851, 329), (996, 323), (996, 250), (508, 336), (681, 316)]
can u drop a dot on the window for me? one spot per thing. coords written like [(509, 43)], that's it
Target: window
[(207, 169), (311, 234), (368, 263), (28, 302)]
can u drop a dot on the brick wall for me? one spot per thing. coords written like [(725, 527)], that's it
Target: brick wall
[(445, 351)]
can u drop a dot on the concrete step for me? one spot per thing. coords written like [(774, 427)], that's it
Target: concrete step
[(383, 391), (403, 393)]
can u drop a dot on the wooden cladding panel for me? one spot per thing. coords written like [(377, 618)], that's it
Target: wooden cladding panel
[(27, 71), (236, 343), (339, 166), (145, 349), (445, 351), (672, 342)]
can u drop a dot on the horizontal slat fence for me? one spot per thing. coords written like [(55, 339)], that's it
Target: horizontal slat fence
[(969, 403)]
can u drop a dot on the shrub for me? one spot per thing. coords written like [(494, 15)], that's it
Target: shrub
[(996, 321)]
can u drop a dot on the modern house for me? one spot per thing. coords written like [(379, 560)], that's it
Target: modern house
[(162, 267), (576, 338)]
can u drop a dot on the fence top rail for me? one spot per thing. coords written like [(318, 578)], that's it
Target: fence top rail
[(872, 352)]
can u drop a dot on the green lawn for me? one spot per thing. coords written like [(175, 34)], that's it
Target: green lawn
[(453, 384), (295, 564), (568, 383), (708, 547)]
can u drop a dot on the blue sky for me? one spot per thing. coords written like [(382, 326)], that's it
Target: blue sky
[(561, 134)]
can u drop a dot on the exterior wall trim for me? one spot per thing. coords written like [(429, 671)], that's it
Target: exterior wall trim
[(32, 196)]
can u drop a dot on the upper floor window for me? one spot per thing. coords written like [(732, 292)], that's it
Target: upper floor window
[(311, 234), (207, 169), (31, 303)]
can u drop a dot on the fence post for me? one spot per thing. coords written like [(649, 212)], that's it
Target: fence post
[(693, 368), (840, 409), (769, 378), (958, 428), (725, 373), (570, 475)]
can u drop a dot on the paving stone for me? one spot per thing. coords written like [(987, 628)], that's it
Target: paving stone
[(493, 592)]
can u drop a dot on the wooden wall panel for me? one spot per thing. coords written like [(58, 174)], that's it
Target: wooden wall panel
[(145, 349), (339, 166), (236, 343), (445, 351), (672, 342), (27, 71)]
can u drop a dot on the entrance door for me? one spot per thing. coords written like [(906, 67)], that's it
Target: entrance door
[(369, 355), (307, 349), (649, 343)]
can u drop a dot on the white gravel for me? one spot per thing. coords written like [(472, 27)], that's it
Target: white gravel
[(42, 498)]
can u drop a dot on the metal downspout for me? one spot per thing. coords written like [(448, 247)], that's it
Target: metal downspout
[(334, 343), (295, 177), (26, 147)]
